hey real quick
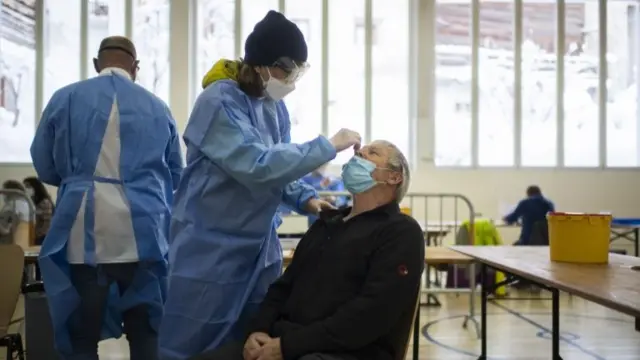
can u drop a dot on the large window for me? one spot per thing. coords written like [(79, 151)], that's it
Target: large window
[(151, 35), (453, 83), (538, 84), (581, 73), (215, 36), (105, 18), (61, 45), (390, 118), (623, 112), (17, 79), (346, 70), (570, 101), (495, 85), (549, 135), (305, 103)]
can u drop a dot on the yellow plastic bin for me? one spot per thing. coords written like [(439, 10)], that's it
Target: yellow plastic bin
[(579, 238)]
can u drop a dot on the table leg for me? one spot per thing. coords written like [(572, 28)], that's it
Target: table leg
[(472, 301), (483, 312), (432, 300), (555, 324), (416, 334), (638, 324), (472, 295)]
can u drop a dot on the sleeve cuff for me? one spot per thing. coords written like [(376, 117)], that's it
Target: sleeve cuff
[(306, 195), (259, 326), (326, 147)]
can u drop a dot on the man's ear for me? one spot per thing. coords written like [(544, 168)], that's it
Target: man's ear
[(95, 65), (395, 178)]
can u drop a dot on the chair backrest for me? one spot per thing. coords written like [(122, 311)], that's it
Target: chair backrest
[(462, 237), (540, 233), (405, 326), (11, 270), (24, 234)]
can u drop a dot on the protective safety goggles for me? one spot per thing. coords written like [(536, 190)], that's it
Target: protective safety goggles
[(293, 69)]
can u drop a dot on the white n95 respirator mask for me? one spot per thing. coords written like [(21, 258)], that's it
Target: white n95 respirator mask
[(277, 89)]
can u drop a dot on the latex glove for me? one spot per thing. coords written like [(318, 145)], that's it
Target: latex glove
[(271, 350), (345, 139), (253, 346), (314, 206), (330, 199)]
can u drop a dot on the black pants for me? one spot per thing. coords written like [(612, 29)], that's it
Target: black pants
[(86, 321), (233, 351)]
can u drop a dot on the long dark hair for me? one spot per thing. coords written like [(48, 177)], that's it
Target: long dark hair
[(40, 192), (249, 80), (13, 185)]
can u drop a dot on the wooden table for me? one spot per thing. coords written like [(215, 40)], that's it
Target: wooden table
[(438, 255), (287, 257), (441, 255), (615, 285), (435, 255)]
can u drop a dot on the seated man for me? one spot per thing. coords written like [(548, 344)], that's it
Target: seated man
[(352, 286)]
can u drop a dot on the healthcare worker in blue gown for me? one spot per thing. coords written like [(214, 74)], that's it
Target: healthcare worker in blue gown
[(224, 249), (112, 149)]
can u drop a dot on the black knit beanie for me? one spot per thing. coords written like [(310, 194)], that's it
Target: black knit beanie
[(272, 38)]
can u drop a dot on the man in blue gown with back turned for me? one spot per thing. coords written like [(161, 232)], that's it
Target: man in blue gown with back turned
[(112, 149)]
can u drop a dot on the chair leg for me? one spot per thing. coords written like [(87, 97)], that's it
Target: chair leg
[(19, 347), (14, 345)]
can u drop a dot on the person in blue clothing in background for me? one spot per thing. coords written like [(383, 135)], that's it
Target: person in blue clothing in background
[(224, 248), (323, 182), (529, 211), (112, 149)]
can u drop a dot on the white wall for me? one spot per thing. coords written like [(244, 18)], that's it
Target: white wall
[(579, 190)]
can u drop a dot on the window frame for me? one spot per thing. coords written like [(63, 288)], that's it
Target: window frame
[(422, 15)]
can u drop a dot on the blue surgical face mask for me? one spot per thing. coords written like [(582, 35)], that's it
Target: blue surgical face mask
[(356, 175)]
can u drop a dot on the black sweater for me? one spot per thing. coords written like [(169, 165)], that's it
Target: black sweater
[(348, 286)]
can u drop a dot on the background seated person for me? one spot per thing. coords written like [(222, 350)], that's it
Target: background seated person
[(529, 211), (355, 274), (43, 205), (14, 211), (323, 182)]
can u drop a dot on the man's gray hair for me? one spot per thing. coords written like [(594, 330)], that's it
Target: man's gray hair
[(398, 162)]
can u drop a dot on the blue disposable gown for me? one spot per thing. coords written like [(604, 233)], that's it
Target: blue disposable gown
[(82, 127), (224, 250)]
